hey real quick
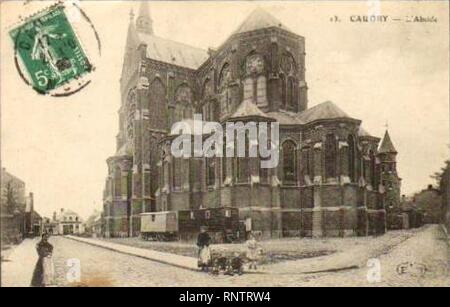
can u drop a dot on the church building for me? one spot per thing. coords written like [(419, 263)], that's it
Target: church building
[(331, 178)]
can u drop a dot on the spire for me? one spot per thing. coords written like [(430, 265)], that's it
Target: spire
[(144, 22), (132, 38), (386, 145)]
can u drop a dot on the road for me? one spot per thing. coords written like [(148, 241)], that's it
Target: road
[(102, 267)]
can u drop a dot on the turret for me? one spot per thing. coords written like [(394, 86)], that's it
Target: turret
[(387, 155)]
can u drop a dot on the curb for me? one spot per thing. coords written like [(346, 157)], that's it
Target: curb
[(133, 254)]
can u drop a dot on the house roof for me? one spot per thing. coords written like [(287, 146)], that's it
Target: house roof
[(171, 52), (386, 145), (259, 19), (325, 110)]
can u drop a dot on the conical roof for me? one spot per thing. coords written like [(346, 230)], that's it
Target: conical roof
[(386, 145)]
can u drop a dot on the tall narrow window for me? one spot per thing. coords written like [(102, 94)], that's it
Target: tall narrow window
[(373, 175), (351, 158), (224, 160), (330, 156), (210, 171), (248, 89), (242, 163), (118, 182), (290, 93), (264, 176), (283, 91), (289, 163), (274, 56), (287, 81), (224, 91), (261, 92), (305, 164), (255, 81), (177, 173), (183, 99), (157, 106)]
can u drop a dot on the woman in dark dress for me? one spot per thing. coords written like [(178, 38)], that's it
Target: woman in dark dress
[(204, 253), (43, 272)]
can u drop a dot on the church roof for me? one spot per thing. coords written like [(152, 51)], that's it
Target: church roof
[(363, 132), (325, 110), (285, 117), (168, 51), (248, 109), (259, 19), (386, 145)]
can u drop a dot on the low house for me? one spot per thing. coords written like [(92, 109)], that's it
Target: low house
[(67, 223)]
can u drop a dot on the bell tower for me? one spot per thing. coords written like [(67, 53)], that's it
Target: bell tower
[(387, 155)]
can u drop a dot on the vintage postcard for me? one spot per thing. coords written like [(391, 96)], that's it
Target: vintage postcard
[(225, 144)]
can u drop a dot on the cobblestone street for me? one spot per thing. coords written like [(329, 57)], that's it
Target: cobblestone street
[(103, 267)]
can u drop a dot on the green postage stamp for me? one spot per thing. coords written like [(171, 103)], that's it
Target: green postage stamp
[(50, 51)]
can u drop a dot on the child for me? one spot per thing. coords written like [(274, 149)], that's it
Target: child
[(253, 251)]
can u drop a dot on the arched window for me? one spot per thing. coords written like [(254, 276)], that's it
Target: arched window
[(183, 100), (224, 90), (351, 158), (118, 182), (287, 81), (289, 162), (255, 81), (330, 156)]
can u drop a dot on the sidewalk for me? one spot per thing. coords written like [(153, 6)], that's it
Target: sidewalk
[(18, 265), (184, 262)]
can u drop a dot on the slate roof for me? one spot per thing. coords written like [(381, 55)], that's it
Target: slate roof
[(386, 145), (285, 118), (325, 110), (169, 51), (248, 109), (259, 19)]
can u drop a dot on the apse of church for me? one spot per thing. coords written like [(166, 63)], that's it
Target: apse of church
[(329, 178)]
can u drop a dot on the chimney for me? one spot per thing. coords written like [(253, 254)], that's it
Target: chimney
[(54, 215), (62, 210)]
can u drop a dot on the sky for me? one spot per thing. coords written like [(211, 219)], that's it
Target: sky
[(394, 74)]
